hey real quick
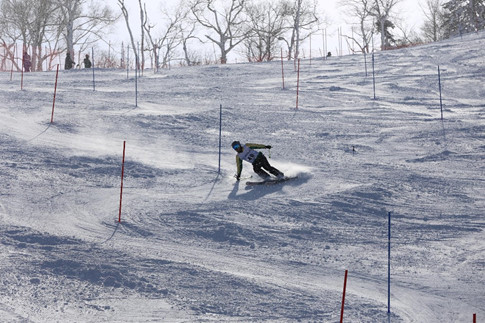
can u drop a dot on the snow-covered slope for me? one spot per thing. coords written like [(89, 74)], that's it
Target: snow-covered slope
[(197, 246)]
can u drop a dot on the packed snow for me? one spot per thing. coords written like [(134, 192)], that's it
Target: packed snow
[(194, 244)]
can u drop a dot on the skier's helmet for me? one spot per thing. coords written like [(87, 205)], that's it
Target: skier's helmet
[(235, 145)]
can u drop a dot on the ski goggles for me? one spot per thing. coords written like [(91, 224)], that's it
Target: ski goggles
[(236, 146)]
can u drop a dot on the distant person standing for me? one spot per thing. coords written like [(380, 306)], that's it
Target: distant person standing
[(69, 63), (27, 62), (87, 62)]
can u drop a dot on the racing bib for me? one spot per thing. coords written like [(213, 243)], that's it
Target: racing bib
[(248, 154)]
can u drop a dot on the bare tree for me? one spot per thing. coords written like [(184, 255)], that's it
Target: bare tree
[(143, 22), (229, 24), (187, 32), (82, 22), (268, 23), (124, 11), (360, 10), (409, 36), (381, 10), (47, 23), (433, 13), (170, 37), (304, 23), (29, 21)]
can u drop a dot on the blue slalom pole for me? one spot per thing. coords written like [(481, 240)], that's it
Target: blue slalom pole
[(439, 84), (389, 266), (220, 138)]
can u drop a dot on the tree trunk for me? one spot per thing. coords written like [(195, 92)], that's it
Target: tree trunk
[(121, 3)]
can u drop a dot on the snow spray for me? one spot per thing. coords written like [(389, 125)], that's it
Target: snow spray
[(55, 90), (122, 175), (343, 298)]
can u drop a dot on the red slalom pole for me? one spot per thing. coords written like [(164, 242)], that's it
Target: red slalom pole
[(22, 69), (55, 90), (474, 318), (122, 175), (22, 76), (343, 298)]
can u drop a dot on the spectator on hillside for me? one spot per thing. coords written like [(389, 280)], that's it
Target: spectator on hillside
[(69, 63), (27, 62), (87, 62)]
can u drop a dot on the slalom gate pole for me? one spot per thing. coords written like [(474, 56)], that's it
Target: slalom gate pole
[(439, 85), (220, 138), (136, 75), (13, 60), (474, 318), (343, 298), (55, 91), (389, 266), (122, 175), (282, 72), (325, 45), (22, 74), (310, 49), (23, 67), (297, 84), (373, 76), (92, 65)]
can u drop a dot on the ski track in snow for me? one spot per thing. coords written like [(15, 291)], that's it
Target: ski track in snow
[(197, 246)]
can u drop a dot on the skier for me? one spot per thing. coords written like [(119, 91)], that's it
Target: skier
[(260, 163)]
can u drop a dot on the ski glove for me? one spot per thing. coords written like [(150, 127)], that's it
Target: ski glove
[(268, 147)]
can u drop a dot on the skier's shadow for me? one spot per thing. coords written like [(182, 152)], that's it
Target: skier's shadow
[(252, 193)]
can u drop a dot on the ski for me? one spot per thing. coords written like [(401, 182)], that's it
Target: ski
[(271, 181)]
